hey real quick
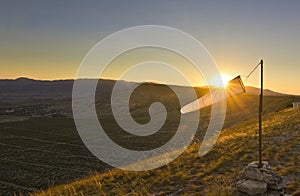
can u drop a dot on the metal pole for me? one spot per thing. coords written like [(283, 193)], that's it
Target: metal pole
[(260, 112)]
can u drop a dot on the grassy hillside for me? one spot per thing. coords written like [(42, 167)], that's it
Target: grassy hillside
[(213, 173), (41, 150)]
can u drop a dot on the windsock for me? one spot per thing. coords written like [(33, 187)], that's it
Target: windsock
[(234, 87)]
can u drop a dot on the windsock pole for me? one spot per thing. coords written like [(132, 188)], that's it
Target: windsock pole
[(260, 113)]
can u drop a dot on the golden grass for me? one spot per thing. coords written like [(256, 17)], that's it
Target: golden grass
[(211, 174)]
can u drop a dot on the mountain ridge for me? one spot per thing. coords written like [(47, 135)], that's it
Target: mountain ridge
[(67, 85)]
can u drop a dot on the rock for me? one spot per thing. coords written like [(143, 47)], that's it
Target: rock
[(273, 181), (255, 180), (275, 193), (253, 187), (265, 165), (252, 173), (285, 181)]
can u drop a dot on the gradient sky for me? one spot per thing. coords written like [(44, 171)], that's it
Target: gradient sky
[(48, 40)]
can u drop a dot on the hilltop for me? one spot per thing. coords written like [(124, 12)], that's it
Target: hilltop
[(25, 98), (213, 173), (52, 88)]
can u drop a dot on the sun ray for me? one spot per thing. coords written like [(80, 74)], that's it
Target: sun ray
[(224, 81)]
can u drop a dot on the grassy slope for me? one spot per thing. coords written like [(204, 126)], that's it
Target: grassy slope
[(213, 173)]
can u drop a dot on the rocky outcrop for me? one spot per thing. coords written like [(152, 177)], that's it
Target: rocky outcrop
[(255, 180)]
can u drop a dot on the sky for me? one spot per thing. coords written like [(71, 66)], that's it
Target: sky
[(49, 39)]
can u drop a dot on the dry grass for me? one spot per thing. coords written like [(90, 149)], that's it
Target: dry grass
[(212, 174)]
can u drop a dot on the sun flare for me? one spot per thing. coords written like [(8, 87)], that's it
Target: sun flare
[(221, 83), (225, 79)]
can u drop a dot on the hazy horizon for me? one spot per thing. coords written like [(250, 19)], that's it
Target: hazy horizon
[(48, 40)]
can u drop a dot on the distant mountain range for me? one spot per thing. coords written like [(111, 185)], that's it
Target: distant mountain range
[(256, 91), (63, 88)]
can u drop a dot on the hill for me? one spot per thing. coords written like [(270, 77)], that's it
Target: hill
[(26, 87), (213, 173), (41, 148), (268, 92)]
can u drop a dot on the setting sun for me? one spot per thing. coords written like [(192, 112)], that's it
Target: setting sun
[(225, 79), (223, 83)]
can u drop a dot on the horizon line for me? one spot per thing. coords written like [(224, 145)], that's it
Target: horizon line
[(111, 79)]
